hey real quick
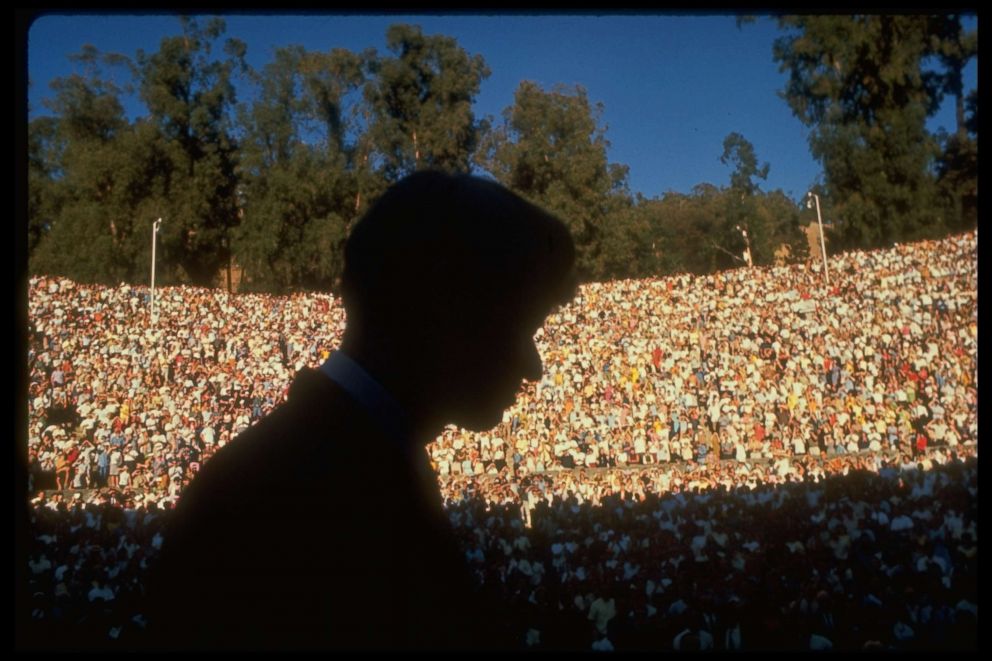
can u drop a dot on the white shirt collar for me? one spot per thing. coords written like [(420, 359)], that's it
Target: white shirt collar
[(370, 394)]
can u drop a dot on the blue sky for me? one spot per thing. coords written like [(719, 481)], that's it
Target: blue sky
[(672, 86)]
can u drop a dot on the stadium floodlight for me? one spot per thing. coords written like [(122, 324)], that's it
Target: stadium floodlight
[(155, 227), (810, 197)]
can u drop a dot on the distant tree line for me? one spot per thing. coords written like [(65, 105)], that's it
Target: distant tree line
[(273, 182)]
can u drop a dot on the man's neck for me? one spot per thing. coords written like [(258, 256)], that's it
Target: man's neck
[(407, 381)]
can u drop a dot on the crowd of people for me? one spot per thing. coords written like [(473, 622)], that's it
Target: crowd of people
[(118, 399), (745, 365), (762, 379), (880, 555), (87, 561), (866, 560)]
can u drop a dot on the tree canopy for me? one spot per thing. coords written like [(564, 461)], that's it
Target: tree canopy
[(864, 87), (260, 174), (551, 149)]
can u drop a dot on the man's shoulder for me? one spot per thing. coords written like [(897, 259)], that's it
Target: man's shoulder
[(317, 404), (309, 503), (257, 514), (306, 440)]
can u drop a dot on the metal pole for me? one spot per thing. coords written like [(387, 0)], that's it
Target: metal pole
[(747, 246), (154, 235), (823, 245), (747, 243)]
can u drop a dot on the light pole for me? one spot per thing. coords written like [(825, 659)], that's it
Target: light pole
[(155, 227), (747, 244), (810, 197)]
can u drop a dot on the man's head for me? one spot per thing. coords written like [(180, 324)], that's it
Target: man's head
[(457, 274)]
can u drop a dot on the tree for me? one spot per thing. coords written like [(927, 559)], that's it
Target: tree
[(776, 223), (421, 103), (44, 171), (299, 183), (79, 226), (737, 150), (957, 167), (857, 81), (551, 150), (189, 95), (955, 47), (687, 232), (740, 217)]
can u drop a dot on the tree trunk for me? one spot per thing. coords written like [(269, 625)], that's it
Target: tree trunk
[(959, 115)]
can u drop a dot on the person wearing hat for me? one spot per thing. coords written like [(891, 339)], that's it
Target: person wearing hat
[(446, 280)]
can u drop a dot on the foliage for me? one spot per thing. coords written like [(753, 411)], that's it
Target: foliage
[(300, 188), (79, 222), (421, 103), (189, 94), (698, 233), (957, 166), (861, 85), (739, 152), (273, 183), (551, 149)]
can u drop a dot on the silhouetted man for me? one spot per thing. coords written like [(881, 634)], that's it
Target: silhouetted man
[(322, 526)]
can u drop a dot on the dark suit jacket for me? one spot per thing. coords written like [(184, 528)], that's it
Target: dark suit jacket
[(311, 530)]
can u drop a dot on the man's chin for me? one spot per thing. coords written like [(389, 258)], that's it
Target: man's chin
[(480, 420)]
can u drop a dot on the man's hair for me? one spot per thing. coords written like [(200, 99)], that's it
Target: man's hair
[(466, 239)]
